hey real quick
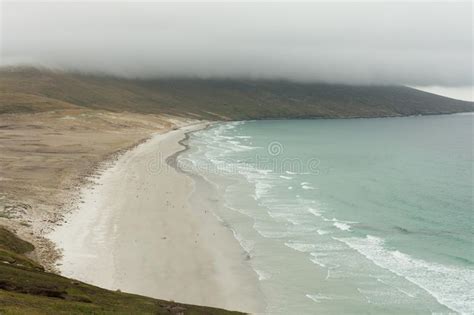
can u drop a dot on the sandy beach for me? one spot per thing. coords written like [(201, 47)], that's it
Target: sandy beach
[(48, 156), (136, 230)]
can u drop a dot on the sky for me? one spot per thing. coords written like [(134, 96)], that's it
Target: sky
[(460, 93), (411, 43)]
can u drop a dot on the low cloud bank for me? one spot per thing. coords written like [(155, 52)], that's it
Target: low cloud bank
[(417, 44)]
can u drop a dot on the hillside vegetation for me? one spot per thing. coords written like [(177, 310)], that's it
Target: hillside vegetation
[(25, 288), (30, 90)]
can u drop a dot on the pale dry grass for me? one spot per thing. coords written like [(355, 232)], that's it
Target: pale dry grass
[(47, 156)]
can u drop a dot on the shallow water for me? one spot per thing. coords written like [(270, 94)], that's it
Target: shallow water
[(354, 215)]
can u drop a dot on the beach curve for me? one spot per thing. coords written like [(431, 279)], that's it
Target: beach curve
[(136, 230)]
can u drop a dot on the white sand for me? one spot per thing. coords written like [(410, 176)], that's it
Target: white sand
[(136, 231)]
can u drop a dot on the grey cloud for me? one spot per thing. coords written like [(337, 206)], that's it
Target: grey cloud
[(357, 43)]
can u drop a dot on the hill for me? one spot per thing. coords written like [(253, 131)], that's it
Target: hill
[(30, 90)]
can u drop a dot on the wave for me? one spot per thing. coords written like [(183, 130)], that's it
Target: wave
[(318, 297), (316, 259), (301, 247), (450, 285), (316, 213), (247, 245), (307, 186), (272, 233), (237, 146), (262, 275), (342, 226)]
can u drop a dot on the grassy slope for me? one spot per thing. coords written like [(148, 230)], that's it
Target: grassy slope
[(26, 89), (26, 289)]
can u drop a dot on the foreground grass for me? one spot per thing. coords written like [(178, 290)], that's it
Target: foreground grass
[(26, 289)]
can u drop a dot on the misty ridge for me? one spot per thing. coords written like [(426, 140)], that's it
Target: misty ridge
[(29, 90), (344, 43)]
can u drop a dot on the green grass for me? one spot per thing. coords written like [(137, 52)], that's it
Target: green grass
[(11, 242), (26, 289)]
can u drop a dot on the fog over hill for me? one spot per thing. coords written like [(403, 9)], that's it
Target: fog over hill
[(358, 43), (237, 60)]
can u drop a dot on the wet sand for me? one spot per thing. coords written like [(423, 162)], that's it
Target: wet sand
[(137, 230)]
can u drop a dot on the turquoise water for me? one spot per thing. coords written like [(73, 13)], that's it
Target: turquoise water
[(349, 216)]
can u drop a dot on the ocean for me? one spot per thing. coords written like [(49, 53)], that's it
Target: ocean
[(348, 215)]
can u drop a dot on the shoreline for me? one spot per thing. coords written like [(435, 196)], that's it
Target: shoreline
[(185, 255), (172, 159), (48, 157), (324, 246)]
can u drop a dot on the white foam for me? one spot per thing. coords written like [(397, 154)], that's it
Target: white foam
[(259, 177), (262, 275), (286, 177), (451, 286), (315, 212), (322, 232), (337, 220), (317, 259), (272, 234), (301, 247), (236, 146), (306, 186), (293, 221), (342, 226), (261, 188), (318, 297), (247, 245)]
